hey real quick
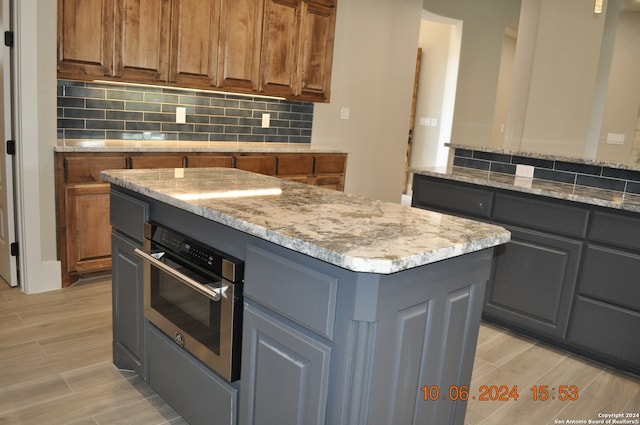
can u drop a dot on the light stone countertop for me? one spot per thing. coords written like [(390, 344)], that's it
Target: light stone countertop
[(352, 232), (100, 145), (570, 192)]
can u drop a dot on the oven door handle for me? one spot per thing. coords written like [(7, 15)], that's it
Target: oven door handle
[(213, 295)]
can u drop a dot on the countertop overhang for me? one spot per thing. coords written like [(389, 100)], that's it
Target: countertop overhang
[(349, 231), (101, 145)]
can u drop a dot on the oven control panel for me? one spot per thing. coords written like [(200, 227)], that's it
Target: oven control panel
[(209, 258)]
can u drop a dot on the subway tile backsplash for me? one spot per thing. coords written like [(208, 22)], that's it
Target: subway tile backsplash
[(601, 177), (88, 110)]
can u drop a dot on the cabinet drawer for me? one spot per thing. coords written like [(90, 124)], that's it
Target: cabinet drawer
[(616, 229), (261, 164), (330, 163), (87, 169), (157, 161), (210, 161), (328, 182), (128, 215), (452, 197), (304, 295), (611, 276), (195, 392), (606, 330), (540, 214), (292, 165)]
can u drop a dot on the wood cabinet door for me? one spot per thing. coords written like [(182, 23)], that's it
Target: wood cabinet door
[(280, 39), (142, 40), (240, 34), (194, 42), (316, 56), (88, 228), (85, 38)]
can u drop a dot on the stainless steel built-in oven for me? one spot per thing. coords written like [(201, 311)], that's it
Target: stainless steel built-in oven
[(193, 293)]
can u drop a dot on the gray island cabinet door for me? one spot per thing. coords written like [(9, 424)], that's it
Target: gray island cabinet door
[(128, 320), (285, 373), (127, 216)]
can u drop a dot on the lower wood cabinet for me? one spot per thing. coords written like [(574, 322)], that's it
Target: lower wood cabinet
[(569, 275), (261, 164), (87, 228), (82, 198)]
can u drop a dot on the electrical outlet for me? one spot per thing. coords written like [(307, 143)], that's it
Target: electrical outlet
[(266, 120), (345, 113), (615, 139), (523, 170), (181, 115)]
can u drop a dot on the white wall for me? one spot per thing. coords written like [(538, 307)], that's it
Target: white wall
[(483, 26), (622, 101), (562, 79), (373, 68), (440, 43)]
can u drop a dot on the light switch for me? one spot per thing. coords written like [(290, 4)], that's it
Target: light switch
[(345, 113)]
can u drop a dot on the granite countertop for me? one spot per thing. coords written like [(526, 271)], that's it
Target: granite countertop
[(571, 192), (349, 231), (100, 145)]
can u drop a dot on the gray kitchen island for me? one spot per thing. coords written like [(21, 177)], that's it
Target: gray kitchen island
[(353, 311)]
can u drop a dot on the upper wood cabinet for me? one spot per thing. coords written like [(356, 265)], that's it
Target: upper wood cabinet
[(297, 49), (271, 47), (318, 27), (142, 40), (194, 43), (280, 47), (85, 34), (240, 34)]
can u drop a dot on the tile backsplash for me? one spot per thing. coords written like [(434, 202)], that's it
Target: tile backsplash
[(598, 176), (88, 110)]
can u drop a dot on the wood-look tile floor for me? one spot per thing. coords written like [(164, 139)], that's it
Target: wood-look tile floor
[(55, 368)]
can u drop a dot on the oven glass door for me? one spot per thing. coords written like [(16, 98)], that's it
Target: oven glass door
[(196, 314)]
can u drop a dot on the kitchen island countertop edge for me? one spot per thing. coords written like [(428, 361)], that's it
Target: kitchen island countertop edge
[(349, 231)]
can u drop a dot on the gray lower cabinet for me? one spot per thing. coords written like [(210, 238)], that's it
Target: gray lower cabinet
[(127, 217), (285, 372), (128, 319), (193, 390), (569, 274), (606, 314), (532, 281)]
